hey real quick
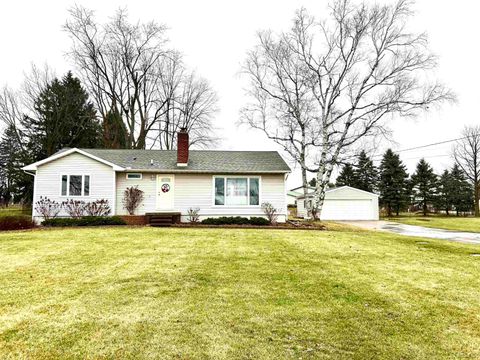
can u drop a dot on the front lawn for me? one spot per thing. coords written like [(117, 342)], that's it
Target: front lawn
[(236, 293), (460, 223)]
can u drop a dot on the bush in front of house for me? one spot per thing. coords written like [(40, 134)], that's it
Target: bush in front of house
[(193, 215), (85, 221), (16, 222), (235, 220), (270, 212), (132, 197), (47, 208), (74, 208), (260, 221), (98, 208)]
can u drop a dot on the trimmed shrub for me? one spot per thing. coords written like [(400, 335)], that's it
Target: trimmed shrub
[(235, 220), (15, 222), (85, 221), (260, 221)]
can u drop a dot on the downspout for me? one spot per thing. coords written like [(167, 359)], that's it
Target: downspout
[(286, 196)]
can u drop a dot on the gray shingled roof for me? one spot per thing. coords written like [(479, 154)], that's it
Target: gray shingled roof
[(206, 161)]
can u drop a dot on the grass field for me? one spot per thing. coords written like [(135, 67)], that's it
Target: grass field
[(230, 294), (15, 210), (460, 223)]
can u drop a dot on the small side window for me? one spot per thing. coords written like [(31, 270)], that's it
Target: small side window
[(64, 184), (219, 191), (86, 185), (134, 176)]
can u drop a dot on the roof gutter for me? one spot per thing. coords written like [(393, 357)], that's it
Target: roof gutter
[(180, 171)]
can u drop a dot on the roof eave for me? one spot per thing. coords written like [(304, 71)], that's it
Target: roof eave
[(204, 171), (34, 166)]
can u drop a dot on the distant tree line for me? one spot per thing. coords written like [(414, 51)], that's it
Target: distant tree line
[(423, 191)]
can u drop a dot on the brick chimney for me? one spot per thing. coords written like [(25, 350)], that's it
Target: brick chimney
[(182, 147)]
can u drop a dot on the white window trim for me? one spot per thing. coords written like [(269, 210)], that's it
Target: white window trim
[(83, 185), (130, 179), (248, 177)]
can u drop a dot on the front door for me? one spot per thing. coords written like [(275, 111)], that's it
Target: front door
[(165, 192)]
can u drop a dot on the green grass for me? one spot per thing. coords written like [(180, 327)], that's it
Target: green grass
[(231, 294), (460, 223), (15, 210)]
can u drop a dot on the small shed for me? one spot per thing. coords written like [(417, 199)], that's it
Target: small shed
[(344, 203)]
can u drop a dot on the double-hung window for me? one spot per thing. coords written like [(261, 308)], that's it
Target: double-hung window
[(236, 191), (75, 185)]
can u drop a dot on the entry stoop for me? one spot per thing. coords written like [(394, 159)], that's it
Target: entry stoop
[(163, 219)]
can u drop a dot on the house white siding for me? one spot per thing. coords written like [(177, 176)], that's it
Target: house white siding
[(346, 203), (48, 180), (196, 191)]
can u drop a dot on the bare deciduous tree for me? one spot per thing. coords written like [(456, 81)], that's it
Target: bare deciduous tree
[(283, 107), (16, 105), (362, 67), (466, 153), (128, 67)]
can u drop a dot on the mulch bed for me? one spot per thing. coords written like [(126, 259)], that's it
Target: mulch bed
[(289, 225)]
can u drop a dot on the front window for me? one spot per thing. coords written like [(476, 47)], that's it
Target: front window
[(219, 191), (64, 185), (77, 185), (237, 191)]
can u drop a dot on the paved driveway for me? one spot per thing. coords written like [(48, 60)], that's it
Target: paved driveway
[(412, 230)]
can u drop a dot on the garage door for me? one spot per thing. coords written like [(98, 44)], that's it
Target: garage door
[(358, 209)]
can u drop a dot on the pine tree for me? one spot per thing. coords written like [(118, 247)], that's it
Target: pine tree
[(115, 134), (446, 192), (393, 184), (65, 118), (366, 174), (462, 191), (15, 184), (347, 176), (425, 184)]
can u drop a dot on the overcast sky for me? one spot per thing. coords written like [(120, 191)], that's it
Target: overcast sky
[(215, 35)]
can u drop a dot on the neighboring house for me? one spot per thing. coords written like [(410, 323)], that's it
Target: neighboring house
[(344, 203), (219, 183), (292, 197), (294, 193)]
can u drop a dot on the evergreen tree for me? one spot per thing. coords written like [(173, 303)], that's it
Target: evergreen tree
[(462, 191), (446, 192), (115, 134), (366, 173), (347, 176), (313, 182), (15, 185), (424, 183), (65, 118), (393, 184)]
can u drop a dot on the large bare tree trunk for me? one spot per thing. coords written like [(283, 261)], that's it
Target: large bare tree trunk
[(467, 156)]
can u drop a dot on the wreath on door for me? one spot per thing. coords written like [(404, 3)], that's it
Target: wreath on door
[(165, 188)]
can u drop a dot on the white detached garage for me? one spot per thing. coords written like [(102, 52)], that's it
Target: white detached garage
[(345, 203)]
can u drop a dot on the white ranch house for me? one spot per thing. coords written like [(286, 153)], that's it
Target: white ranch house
[(219, 183)]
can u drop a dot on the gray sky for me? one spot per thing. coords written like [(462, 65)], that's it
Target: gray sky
[(215, 35)]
